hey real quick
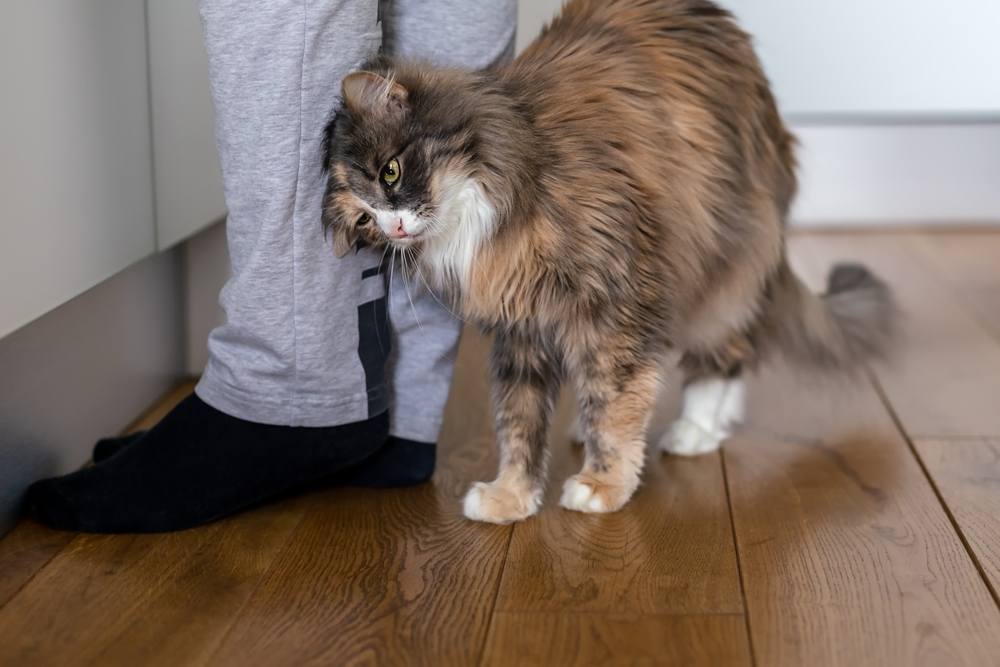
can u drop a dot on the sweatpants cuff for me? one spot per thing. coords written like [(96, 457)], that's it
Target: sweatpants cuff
[(305, 411)]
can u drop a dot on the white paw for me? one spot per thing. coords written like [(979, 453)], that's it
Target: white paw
[(582, 497), (686, 438), (493, 503)]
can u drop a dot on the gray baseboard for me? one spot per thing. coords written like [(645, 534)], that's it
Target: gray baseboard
[(85, 370)]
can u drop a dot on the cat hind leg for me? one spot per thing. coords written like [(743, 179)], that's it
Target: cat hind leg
[(713, 404)]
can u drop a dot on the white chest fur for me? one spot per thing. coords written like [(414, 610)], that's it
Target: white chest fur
[(467, 219)]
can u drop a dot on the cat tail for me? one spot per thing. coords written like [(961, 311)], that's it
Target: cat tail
[(853, 322)]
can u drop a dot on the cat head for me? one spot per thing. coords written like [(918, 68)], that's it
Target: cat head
[(404, 167)]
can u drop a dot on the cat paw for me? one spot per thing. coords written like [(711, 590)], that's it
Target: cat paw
[(686, 438), (493, 503), (585, 493)]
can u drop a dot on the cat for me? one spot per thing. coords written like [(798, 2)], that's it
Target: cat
[(617, 192)]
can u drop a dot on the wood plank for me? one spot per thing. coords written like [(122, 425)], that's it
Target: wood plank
[(30, 546), (656, 582), (554, 638), (970, 264), (143, 599), (147, 599), (23, 552), (945, 379), (967, 473), (846, 554), (388, 577), (670, 550)]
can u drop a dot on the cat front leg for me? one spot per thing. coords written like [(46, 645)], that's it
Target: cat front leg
[(616, 401), (526, 379)]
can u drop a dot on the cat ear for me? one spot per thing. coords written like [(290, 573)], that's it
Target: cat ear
[(367, 91)]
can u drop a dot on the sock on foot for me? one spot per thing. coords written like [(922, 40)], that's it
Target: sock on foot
[(197, 465), (399, 462)]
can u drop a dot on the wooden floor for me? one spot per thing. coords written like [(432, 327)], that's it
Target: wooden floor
[(846, 524)]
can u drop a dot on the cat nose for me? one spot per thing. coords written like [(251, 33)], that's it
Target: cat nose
[(398, 232)]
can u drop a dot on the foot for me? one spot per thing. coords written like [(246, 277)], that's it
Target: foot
[(198, 465), (687, 438), (495, 502), (399, 462), (595, 494), (712, 409)]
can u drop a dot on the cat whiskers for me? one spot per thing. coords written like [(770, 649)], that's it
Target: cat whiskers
[(406, 288), (416, 266)]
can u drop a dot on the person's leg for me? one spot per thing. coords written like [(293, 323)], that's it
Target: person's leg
[(460, 33), (282, 358), (295, 387)]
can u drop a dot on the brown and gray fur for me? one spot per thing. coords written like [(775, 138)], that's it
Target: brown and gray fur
[(617, 192)]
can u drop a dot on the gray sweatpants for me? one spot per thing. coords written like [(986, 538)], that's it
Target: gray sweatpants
[(306, 341)]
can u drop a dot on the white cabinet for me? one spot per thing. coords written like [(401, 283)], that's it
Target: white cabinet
[(94, 119), (76, 193), (186, 165)]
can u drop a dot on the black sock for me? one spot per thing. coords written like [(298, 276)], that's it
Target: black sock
[(400, 462), (197, 465)]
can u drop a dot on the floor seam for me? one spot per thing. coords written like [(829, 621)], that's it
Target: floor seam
[(736, 550), (496, 596), (38, 571), (934, 487)]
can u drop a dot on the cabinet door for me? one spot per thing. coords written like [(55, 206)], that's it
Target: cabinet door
[(76, 200), (188, 180), (829, 58)]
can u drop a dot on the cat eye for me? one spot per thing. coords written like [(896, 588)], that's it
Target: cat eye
[(363, 220), (390, 172)]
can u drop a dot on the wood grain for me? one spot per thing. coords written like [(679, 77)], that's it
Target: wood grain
[(945, 379), (388, 577), (970, 265), (846, 555), (669, 551), (967, 473), (23, 552), (143, 599), (554, 638), (30, 546)]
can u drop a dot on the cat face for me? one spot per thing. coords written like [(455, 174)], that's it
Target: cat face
[(399, 172)]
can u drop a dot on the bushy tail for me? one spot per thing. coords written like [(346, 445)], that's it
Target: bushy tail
[(854, 321)]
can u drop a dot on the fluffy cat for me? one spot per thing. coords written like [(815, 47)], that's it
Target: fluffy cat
[(618, 191)]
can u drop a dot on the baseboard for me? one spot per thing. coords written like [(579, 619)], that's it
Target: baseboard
[(84, 371), (888, 175)]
